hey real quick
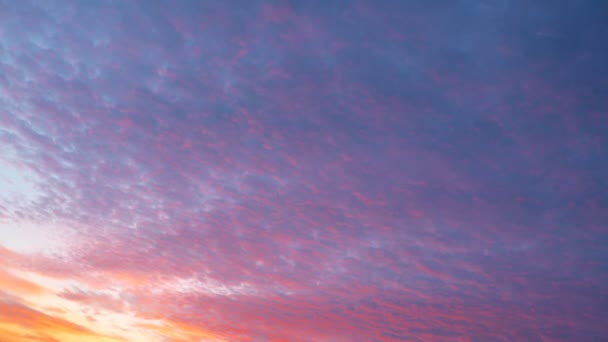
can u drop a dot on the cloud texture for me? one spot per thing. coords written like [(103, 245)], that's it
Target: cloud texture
[(303, 171)]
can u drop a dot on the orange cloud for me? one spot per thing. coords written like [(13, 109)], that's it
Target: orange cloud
[(13, 284), (14, 335), (19, 323), (182, 332), (8, 256)]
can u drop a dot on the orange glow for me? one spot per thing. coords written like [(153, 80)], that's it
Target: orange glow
[(12, 283), (20, 323), (7, 256), (181, 332)]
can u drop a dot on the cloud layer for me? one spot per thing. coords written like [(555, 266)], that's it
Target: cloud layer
[(301, 171)]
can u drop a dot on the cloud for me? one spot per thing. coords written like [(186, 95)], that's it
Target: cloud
[(20, 323), (332, 172), (14, 283)]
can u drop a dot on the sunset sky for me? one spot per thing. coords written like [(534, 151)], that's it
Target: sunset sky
[(333, 171)]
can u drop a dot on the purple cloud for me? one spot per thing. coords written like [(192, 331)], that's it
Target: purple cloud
[(272, 171)]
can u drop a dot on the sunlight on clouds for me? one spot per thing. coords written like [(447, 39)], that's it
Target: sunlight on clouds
[(84, 303), (14, 284), (21, 323), (60, 317), (181, 332)]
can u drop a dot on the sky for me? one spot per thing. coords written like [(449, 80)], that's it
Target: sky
[(394, 170)]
